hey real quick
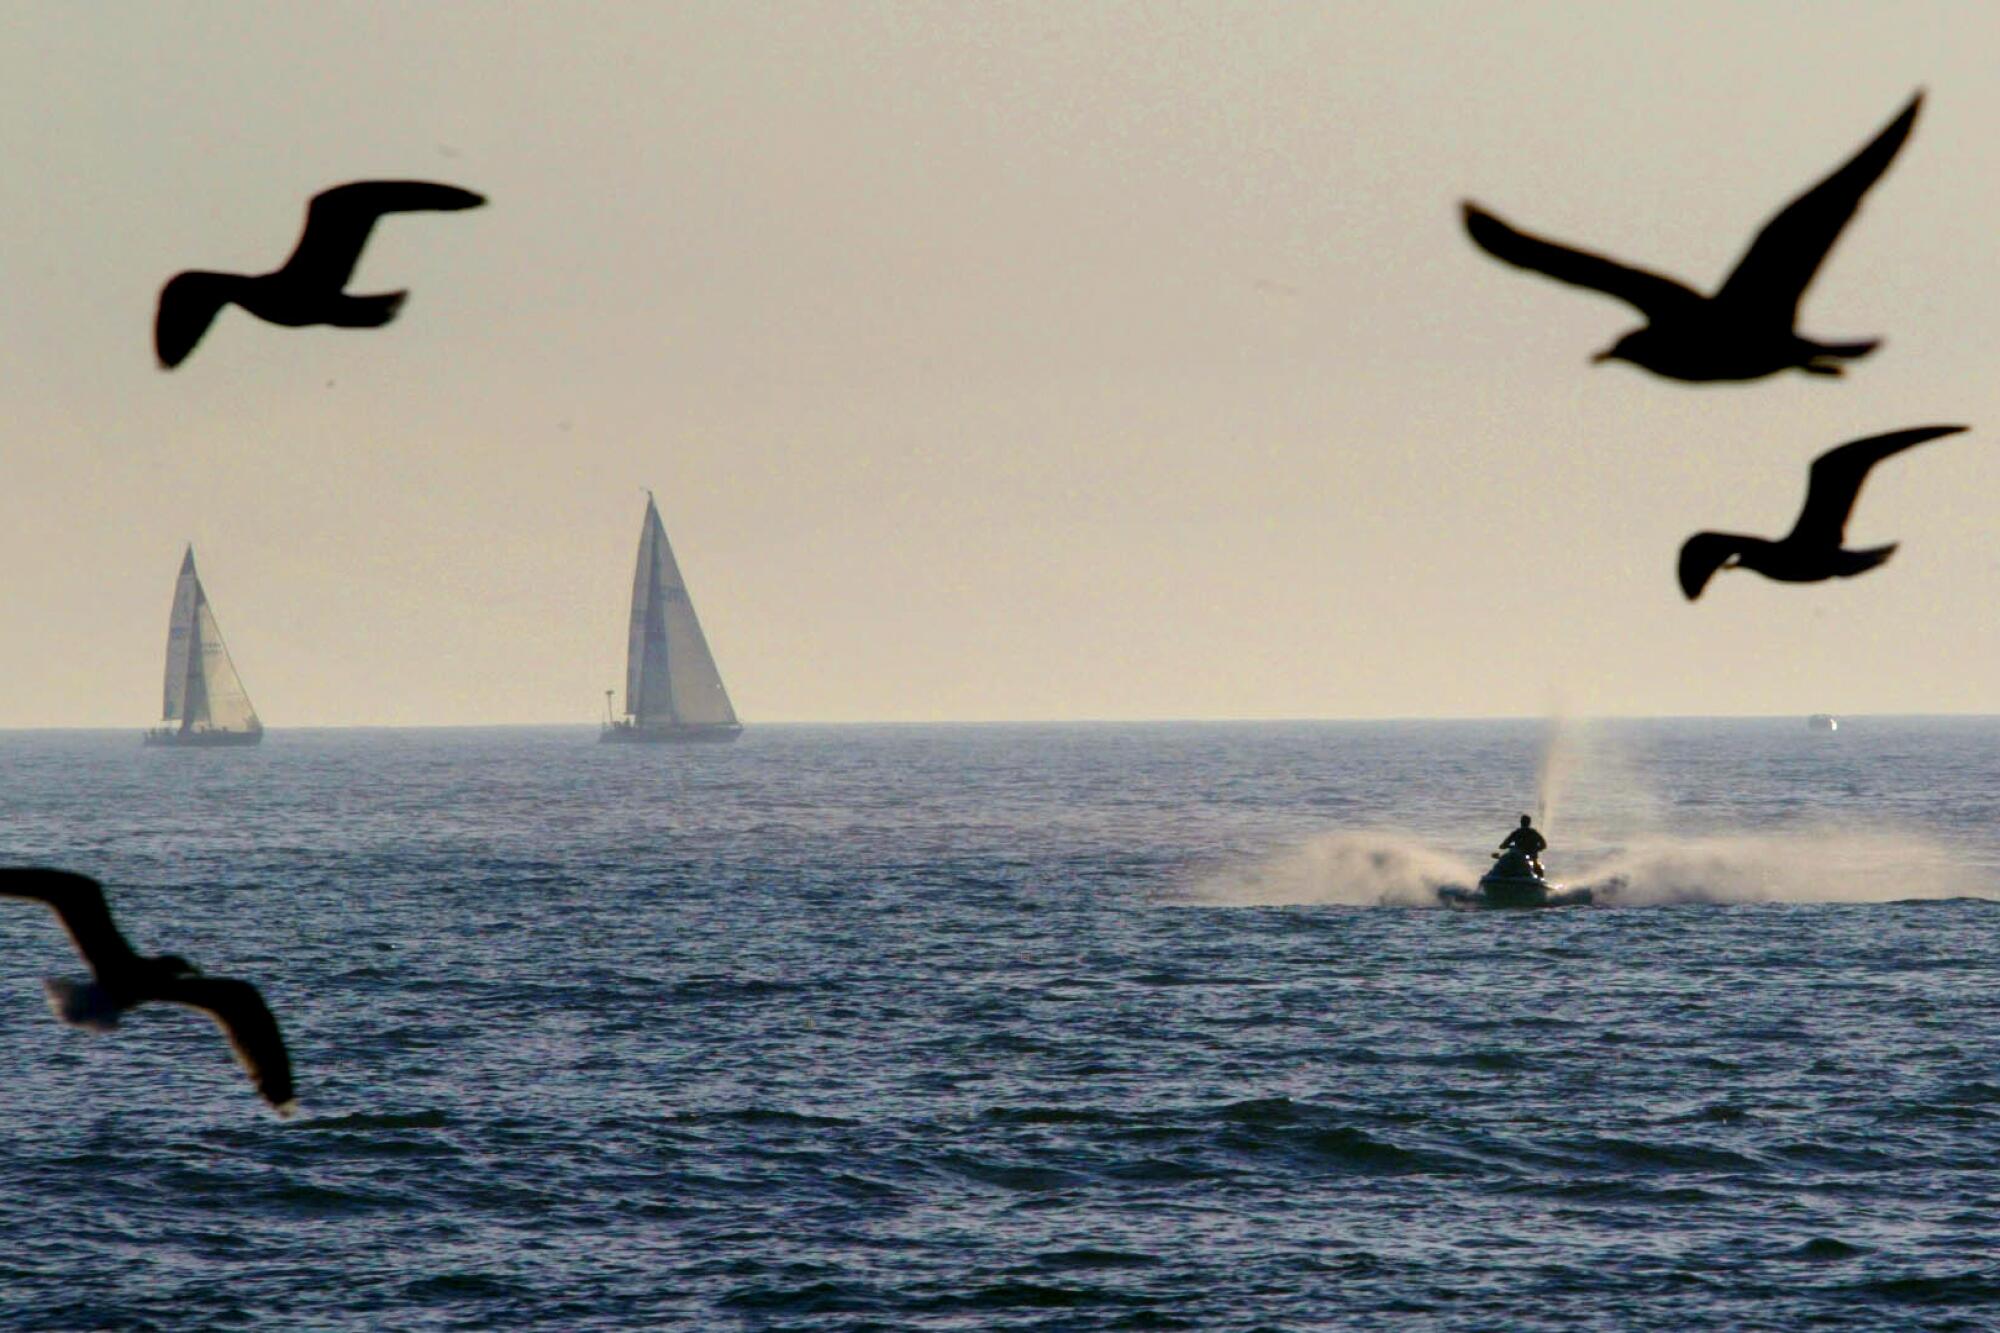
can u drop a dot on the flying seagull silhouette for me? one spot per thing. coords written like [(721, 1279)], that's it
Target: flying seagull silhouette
[(125, 979), (1746, 330), (308, 289), (1811, 551)]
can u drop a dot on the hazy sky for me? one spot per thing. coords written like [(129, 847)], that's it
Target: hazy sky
[(1024, 361)]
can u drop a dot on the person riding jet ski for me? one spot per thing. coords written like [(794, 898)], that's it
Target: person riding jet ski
[(1530, 841)]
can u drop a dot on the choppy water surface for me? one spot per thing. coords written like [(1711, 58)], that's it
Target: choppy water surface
[(1014, 1027)]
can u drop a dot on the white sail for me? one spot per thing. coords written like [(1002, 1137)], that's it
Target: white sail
[(670, 675), (203, 691), (228, 705), (647, 690), (180, 639)]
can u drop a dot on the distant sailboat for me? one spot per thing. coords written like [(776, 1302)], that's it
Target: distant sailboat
[(205, 700), (672, 690)]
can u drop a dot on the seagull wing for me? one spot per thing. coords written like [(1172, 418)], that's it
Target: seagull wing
[(1836, 478), (338, 222), (1773, 273), (1703, 554), (78, 902), (1652, 294), (240, 1011), (189, 303)]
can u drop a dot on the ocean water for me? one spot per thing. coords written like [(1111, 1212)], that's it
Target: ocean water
[(1079, 1027)]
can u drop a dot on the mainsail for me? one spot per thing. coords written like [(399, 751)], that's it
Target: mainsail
[(203, 692), (670, 676)]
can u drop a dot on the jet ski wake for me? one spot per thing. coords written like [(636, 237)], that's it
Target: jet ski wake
[(1401, 869)]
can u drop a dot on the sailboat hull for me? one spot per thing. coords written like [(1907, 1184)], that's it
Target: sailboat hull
[(203, 739), (624, 733)]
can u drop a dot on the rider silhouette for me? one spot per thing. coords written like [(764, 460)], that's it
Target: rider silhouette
[(1529, 841)]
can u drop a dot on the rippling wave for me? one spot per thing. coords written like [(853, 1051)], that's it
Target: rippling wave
[(1065, 1028)]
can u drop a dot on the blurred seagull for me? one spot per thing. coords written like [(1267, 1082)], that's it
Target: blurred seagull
[(308, 289), (1745, 331), (125, 979), (1811, 551)]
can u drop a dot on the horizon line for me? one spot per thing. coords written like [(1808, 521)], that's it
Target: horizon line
[(1066, 721)]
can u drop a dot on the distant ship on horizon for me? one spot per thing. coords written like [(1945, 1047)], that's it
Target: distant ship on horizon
[(205, 703), (673, 691)]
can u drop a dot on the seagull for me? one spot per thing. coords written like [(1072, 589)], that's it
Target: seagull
[(1746, 330), (126, 979), (1811, 551), (308, 289)]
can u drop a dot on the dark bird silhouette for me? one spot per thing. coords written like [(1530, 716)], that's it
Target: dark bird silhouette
[(1747, 329), (1811, 551), (309, 288), (125, 979)]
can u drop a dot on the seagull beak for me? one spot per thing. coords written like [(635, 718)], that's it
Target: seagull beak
[(1608, 354)]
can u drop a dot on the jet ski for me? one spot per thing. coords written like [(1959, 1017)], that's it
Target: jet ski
[(1513, 883)]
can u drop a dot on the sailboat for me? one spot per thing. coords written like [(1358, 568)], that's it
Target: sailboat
[(205, 700), (672, 690)]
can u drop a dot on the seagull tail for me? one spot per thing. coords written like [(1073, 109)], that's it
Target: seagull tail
[(1860, 562), (83, 1004), (1825, 357), (367, 312)]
